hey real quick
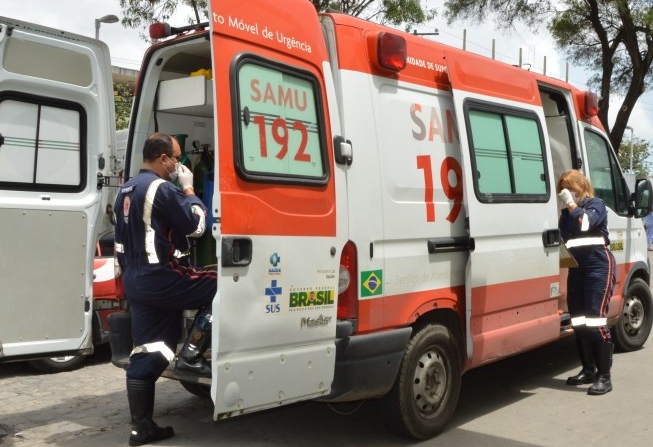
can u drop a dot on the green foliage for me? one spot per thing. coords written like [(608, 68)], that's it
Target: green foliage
[(641, 151), (123, 97), (141, 13), (613, 39)]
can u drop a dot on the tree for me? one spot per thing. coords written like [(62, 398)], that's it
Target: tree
[(613, 39), (641, 151), (123, 97), (141, 13)]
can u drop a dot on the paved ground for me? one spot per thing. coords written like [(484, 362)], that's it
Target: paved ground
[(519, 402)]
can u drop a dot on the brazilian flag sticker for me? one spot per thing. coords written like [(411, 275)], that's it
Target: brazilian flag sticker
[(371, 283)]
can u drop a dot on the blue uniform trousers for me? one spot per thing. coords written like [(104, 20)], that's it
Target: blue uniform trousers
[(589, 288)]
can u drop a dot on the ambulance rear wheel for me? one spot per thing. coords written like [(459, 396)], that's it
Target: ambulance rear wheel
[(425, 394), (634, 325), (203, 391)]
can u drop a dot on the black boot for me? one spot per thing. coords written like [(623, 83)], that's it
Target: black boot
[(140, 394), (191, 356), (603, 384), (587, 374)]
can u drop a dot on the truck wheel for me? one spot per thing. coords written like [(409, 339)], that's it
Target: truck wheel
[(203, 391), (634, 325), (425, 394), (58, 364)]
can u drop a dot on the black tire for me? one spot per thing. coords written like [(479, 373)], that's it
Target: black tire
[(196, 389), (55, 365), (425, 394), (634, 325)]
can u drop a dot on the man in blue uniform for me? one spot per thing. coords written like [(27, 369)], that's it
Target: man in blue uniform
[(584, 229), (154, 220)]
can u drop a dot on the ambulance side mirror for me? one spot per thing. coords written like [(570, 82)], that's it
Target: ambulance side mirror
[(344, 152), (642, 199)]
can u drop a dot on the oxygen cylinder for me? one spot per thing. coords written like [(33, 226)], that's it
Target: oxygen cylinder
[(181, 138), (205, 245)]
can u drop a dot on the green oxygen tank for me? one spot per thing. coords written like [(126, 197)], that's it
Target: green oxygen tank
[(205, 245), (181, 138), (202, 166)]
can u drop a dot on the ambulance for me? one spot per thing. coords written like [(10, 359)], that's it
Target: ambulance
[(383, 207), (57, 137)]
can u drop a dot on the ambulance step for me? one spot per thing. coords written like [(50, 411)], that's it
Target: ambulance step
[(565, 321), (183, 376)]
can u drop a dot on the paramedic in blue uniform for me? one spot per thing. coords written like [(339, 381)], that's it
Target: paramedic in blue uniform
[(154, 219), (584, 229)]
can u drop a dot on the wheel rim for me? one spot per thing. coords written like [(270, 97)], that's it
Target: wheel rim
[(633, 315), (430, 383), (62, 359)]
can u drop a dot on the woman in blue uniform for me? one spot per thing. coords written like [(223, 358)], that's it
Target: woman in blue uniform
[(584, 229)]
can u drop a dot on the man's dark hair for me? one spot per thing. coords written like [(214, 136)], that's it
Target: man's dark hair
[(156, 144)]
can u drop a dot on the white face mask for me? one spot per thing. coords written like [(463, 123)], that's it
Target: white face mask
[(172, 176), (574, 197)]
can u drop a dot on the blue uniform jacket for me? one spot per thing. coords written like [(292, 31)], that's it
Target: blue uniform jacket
[(153, 222)]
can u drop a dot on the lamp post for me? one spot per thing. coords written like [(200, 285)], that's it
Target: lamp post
[(110, 18), (631, 148)]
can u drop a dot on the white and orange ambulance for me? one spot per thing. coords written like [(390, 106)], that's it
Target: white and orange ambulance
[(384, 207)]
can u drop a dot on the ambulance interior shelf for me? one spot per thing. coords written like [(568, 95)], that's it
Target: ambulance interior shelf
[(192, 95)]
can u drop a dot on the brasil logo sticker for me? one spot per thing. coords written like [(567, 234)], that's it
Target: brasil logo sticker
[(371, 283)]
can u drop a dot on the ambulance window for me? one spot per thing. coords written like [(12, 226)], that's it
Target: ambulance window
[(604, 173), (280, 135), (507, 155), (48, 62), (42, 144)]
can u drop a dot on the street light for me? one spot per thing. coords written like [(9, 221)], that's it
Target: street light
[(104, 19), (631, 148)]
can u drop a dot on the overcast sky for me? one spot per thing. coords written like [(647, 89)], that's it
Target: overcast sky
[(127, 48)]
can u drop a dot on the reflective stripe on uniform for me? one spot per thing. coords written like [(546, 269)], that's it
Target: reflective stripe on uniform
[(147, 220), (199, 231), (157, 346), (118, 248), (584, 241), (590, 322), (584, 223), (596, 322)]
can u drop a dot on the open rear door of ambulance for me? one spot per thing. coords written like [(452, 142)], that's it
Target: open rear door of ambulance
[(278, 252), (56, 130), (512, 276)]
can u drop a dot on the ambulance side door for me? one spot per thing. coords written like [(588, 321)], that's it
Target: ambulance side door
[(512, 276), (56, 128), (275, 201)]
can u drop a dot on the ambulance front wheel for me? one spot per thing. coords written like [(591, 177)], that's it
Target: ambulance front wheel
[(634, 325), (55, 365), (425, 394)]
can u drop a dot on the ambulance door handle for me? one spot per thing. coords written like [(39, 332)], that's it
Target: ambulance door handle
[(551, 238), (236, 251), (344, 152), (450, 244)]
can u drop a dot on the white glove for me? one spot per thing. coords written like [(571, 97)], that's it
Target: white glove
[(566, 197), (184, 176)]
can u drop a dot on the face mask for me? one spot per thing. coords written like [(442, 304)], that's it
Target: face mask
[(172, 176), (574, 197)]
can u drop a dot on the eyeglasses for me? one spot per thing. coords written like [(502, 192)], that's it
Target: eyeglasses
[(177, 158)]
